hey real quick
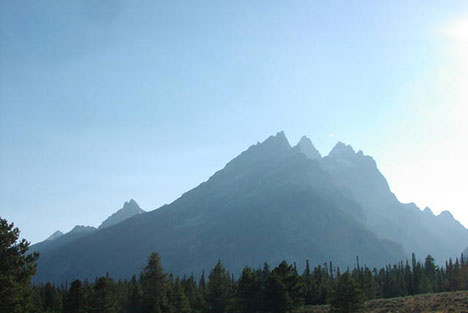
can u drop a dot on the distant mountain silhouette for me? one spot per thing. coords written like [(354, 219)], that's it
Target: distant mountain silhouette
[(272, 202), (59, 239), (418, 231), (55, 235), (129, 209), (56, 240)]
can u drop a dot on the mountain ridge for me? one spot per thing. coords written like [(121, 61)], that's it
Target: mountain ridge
[(271, 202), (59, 239), (129, 209)]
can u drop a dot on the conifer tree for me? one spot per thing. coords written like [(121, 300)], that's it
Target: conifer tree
[(249, 292), (133, 303), (75, 301), (153, 281), (276, 299), (347, 296), (219, 289), (180, 303), (190, 289), (52, 301), (310, 292), (16, 269), (103, 298), (292, 283)]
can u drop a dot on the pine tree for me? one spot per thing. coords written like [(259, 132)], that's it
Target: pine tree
[(292, 283), (75, 301), (133, 303), (153, 281), (16, 269), (180, 302), (219, 289), (190, 290), (347, 296), (52, 302), (324, 282), (276, 299), (310, 286), (103, 299), (249, 292)]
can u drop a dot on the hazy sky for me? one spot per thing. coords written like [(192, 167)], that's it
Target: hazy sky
[(102, 101)]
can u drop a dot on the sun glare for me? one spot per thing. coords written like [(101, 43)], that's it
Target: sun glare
[(457, 30)]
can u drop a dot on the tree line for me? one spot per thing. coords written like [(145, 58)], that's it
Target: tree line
[(272, 290), (282, 288)]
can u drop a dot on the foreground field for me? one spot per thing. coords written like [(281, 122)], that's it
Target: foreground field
[(445, 302)]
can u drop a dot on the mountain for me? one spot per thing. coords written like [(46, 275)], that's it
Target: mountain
[(59, 239), (129, 209), (305, 146), (418, 231), (270, 203), (55, 235)]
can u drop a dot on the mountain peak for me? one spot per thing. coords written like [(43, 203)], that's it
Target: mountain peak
[(129, 209), (305, 146), (278, 139), (447, 215), (428, 210), (131, 205), (345, 153), (82, 229), (341, 149), (55, 235)]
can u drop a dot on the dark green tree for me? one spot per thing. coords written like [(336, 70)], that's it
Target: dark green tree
[(347, 297), (134, 296), (103, 298), (179, 303), (219, 289), (153, 281), (285, 289), (311, 292), (195, 294), (292, 282), (16, 269), (276, 298), (249, 292), (52, 302), (75, 300)]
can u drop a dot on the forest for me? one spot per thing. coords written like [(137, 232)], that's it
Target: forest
[(282, 288)]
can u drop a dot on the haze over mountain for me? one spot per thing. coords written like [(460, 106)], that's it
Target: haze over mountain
[(55, 235), (418, 231), (272, 202), (58, 238), (129, 209)]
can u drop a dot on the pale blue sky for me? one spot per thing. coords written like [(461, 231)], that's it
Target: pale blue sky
[(102, 101)]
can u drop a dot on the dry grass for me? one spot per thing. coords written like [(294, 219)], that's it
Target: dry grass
[(445, 302)]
